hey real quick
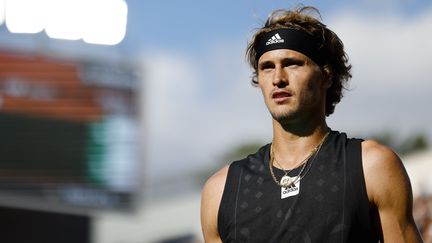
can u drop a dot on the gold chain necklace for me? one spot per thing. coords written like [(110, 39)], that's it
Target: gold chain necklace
[(286, 180)]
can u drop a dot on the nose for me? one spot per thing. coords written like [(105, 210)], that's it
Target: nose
[(280, 77)]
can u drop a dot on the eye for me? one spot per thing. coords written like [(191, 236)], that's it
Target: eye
[(266, 66), (292, 63)]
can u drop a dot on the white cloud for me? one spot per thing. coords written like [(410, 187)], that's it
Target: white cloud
[(169, 96), (199, 107), (195, 108), (391, 73)]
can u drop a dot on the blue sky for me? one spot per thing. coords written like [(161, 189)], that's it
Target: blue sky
[(192, 23), (197, 99)]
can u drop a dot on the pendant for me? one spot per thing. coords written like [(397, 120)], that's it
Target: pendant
[(292, 190), (286, 181)]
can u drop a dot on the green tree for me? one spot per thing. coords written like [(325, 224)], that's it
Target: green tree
[(236, 153), (403, 146)]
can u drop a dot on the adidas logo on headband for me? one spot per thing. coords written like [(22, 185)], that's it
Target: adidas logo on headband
[(275, 39), (293, 39)]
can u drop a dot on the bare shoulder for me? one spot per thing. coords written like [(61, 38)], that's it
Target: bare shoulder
[(379, 159), (216, 183), (384, 171), (210, 201), (389, 189), (212, 192), (374, 152)]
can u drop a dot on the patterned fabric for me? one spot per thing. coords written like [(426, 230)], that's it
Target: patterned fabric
[(332, 204)]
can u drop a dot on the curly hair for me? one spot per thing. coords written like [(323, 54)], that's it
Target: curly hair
[(336, 64)]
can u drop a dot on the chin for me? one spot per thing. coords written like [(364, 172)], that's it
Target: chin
[(283, 117)]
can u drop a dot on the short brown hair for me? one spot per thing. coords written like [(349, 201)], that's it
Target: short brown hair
[(336, 64)]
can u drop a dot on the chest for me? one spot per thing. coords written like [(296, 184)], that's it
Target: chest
[(316, 205)]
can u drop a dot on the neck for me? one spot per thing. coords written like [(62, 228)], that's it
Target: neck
[(292, 143)]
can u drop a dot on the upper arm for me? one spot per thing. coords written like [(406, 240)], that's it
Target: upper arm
[(389, 189), (210, 201)]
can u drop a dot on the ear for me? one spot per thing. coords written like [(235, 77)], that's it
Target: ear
[(327, 72)]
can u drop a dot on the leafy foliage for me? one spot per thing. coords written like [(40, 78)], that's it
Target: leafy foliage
[(414, 143)]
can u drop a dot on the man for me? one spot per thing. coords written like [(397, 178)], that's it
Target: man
[(311, 184)]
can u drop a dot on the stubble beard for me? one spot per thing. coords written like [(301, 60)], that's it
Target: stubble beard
[(284, 117), (293, 115)]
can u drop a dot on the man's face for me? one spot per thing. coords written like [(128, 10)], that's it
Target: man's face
[(293, 86)]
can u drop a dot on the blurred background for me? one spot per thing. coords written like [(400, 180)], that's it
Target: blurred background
[(113, 113)]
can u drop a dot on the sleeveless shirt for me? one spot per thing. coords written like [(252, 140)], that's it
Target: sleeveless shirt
[(331, 206)]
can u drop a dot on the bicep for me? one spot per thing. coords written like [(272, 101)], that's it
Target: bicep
[(395, 213), (389, 190)]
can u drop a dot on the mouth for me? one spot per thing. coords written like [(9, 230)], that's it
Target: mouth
[(280, 96)]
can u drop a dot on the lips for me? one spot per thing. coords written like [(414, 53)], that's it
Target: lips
[(280, 96)]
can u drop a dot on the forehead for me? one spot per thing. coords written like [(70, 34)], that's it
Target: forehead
[(280, 54)]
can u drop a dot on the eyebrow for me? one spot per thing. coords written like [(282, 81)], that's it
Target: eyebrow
[(285, 60), (265, 64)]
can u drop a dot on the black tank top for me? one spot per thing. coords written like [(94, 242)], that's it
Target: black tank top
[(331, 206)]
